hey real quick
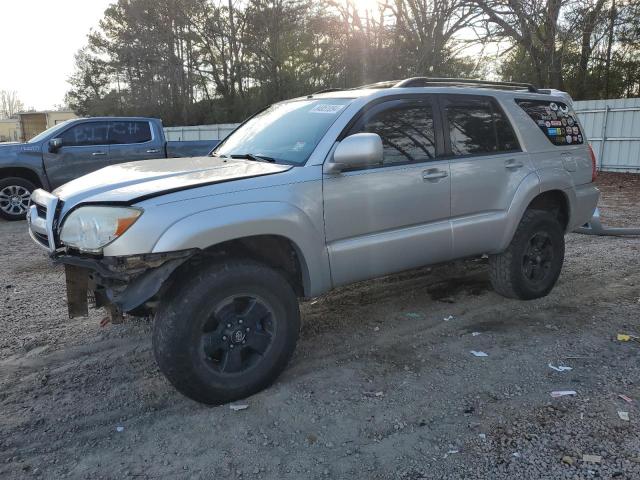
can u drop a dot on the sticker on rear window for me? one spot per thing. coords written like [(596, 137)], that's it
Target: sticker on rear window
[(326, 108), (555, 120)]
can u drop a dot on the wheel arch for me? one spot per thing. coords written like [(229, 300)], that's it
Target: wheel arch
[(531, 193), (275, 233), (22, 172)]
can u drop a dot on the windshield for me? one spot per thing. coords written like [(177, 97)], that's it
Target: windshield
[(286, 132), (48, 131)]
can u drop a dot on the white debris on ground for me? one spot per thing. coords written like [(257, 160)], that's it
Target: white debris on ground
[(66, 384)]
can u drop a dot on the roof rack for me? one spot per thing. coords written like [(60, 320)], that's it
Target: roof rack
[(427, 81), (385, 84), (325, 90), (452, 82), (436, 81)]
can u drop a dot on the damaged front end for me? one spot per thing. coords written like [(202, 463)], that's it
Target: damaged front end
[(120, 284)]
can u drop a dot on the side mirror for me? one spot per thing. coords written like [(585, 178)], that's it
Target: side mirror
[(55, 144), (359, 150)]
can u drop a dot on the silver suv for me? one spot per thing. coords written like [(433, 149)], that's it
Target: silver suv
[(311, 194)]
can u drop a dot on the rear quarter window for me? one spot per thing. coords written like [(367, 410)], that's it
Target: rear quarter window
[(555, 119)]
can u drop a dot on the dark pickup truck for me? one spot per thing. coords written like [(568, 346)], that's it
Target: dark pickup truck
[(80, 146)]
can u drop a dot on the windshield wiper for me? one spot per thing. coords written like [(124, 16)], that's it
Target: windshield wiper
[(255, 158)]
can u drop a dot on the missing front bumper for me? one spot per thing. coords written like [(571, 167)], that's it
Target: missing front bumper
[(121, 284)]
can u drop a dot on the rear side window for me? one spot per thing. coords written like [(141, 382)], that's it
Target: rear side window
[(478, 127), (85, 134), (129, 132), (407, 133), (556, 120)]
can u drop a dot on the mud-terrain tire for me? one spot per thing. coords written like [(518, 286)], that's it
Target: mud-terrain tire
[(14, 197), (531, 265), (227, 332)]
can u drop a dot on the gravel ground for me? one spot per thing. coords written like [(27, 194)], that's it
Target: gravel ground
[(381, 386)]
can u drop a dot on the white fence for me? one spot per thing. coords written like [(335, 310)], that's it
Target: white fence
[(199, 132), (612, 127)]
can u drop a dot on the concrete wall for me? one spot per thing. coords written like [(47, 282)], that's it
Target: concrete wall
[(9, 130)]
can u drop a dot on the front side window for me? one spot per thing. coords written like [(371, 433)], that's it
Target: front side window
[(478, 127), (126, 132), (286, 132), (407, 133), (84, 134), (50, 132), (555, 119)]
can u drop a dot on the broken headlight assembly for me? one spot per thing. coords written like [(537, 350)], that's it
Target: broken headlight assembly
[(91, 228)]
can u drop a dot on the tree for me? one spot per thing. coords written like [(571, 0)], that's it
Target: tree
[(208, 61), (533, 25), (10, 104)]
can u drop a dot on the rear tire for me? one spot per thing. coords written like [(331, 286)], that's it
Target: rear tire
[(531, 265), (15, 193), (227, 332)]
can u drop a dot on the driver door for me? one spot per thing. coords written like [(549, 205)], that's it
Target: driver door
[(396, 216), (85, 148)]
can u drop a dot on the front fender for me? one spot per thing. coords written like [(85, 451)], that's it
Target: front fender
[(211, 227), (25, 158)]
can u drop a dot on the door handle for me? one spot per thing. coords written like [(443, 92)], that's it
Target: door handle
[(153, 150), (97, 154), (434, 174), (513, 164)]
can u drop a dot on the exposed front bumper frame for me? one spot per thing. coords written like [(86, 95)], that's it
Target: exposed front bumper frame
[(120, 283)]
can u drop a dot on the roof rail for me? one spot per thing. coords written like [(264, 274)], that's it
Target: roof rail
[(325, 90), (385, 84), (427, 81)]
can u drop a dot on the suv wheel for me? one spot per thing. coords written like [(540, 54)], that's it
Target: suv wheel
[(15, 193), (228, 332), (530, 266)]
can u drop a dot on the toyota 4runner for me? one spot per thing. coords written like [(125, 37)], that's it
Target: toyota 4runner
[(311, 194)]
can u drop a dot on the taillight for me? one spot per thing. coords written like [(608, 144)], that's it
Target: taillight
[(594, 167)]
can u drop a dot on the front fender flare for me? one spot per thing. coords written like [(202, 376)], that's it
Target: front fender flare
[(212, 227)]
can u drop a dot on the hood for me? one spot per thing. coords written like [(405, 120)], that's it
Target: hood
[(13, 147), (135, 181)]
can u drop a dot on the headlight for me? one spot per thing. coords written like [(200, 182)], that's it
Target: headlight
[(91, 228)]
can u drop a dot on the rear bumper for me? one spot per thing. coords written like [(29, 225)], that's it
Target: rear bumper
[(120, 283), (585, 202)]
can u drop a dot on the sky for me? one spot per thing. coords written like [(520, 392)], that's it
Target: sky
[(38, 39)]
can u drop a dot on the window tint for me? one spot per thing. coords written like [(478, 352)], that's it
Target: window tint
[(471, 127), (478, 126), (129, 132), (407, 133), (556, 120), (92, 133), (507, 141)]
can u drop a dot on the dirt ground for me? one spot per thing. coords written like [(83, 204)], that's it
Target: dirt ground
[(383, 384)]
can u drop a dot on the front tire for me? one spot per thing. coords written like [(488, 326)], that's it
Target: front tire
[(15, 193), (228, 332), (531, 265)]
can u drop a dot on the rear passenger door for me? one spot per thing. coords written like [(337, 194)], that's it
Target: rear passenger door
[(487, 166), (133, 140)]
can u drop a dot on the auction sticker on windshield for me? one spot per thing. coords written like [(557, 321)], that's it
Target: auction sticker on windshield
[(326, 108)]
